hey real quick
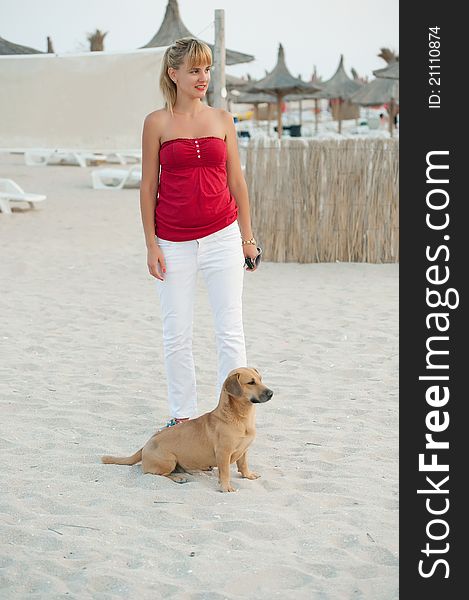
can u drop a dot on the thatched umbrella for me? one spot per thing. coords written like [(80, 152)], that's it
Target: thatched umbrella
[(339, 87), (316, 81), (96, 40), (7, 47), (379, 91), (254, 98), (389, 72), (231, 83), (388, 55), (281, 82), (234, 83), (172, 28)]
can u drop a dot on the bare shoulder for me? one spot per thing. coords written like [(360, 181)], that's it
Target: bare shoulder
[(224, 115), (218, 115), (154, 124), (156, 118), (225, 121)]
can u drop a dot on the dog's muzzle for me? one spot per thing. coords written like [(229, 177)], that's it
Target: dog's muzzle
[(264, 397)]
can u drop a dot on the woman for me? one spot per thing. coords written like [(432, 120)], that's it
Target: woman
[(189, 214)]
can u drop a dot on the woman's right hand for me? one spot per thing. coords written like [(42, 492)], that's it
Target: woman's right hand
[(156, 262)]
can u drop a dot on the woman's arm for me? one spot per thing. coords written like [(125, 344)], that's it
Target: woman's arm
[(150, 177), (236, 181), (148, 191)]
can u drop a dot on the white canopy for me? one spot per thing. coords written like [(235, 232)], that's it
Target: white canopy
[(94, 101)]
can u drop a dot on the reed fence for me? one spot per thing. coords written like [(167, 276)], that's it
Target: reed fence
[(325, 200)]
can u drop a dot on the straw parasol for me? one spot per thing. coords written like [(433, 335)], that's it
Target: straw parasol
[(339, 87), (96, 40), (172, 28), (254, 98), (7, 47), (376, 92), (389, 72), (379, 91), (280, 82), (233, 83), (316, 81)]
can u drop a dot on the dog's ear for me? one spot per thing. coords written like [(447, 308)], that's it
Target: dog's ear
[(232, 385), (255, 370)]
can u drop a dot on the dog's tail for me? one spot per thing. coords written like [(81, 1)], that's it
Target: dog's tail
[(123, 460)]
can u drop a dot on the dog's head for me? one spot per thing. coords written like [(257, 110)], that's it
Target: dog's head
[(246, 384)]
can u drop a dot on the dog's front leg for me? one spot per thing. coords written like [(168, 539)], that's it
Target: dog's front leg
[(243, 468), (223, 463)]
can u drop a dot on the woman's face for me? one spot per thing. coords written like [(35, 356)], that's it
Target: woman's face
[(192, 81)]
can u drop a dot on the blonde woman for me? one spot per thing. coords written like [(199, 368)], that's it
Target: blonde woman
[(195, 215)]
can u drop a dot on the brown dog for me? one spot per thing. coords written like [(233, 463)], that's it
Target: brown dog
[(216, 439)]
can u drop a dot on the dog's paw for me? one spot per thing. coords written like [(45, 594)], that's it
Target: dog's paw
[(250, 475), (227, 488)]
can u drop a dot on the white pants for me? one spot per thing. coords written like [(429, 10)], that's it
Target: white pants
[(220, 257)]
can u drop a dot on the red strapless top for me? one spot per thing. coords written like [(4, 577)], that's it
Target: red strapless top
[(194, 199)]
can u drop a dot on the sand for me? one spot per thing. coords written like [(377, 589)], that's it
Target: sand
[(82, 375)]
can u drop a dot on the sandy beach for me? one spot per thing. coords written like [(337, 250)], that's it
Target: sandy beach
[(82, 375)]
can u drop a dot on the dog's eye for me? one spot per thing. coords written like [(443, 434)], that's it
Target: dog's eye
[(251, 382)]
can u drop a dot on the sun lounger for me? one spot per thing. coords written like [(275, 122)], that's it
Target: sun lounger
[(116, 179), (124, 158), (10, 191), (41, 158)]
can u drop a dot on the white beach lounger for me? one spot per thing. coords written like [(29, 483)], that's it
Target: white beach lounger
[(10, 191), (116, 179), (124, 158), (40, 158)]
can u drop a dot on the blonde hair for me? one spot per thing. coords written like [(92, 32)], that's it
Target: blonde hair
[(197, 52)]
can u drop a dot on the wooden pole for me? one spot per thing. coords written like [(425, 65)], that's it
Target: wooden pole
[(301, 111), (219, 80), (269, 116), (316, 116), (339, 115), (279, 116), (391, 116)]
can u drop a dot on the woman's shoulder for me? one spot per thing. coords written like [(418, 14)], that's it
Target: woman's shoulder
[(221, 113), (155, 122), (222, 118), (157, 116)]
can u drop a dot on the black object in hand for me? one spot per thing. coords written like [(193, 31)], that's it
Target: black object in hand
[(252, 263)]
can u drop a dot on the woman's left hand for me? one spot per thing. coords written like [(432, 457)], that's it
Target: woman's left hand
[(250, 251)]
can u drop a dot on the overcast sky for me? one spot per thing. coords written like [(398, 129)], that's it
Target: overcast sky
[(312, 32)]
